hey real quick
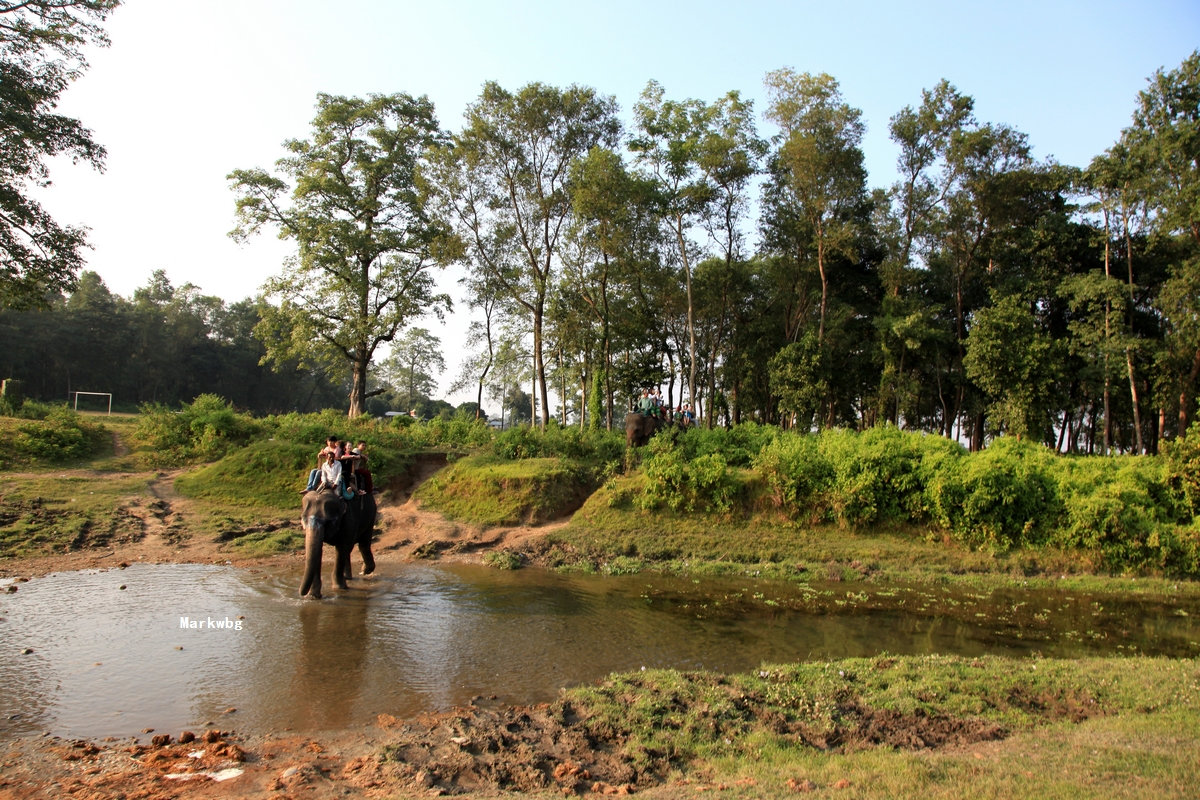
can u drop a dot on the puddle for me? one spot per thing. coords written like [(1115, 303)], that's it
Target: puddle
[(107, 661)]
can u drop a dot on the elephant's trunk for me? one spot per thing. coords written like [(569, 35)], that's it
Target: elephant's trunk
[(313, 544)]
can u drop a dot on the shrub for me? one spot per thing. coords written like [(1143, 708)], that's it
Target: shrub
[(738, 445), (204, 429), (503, 559), (1183, 463), (700, 484), (1002, 497), (559, 441), (854, 479), (1122, 507), (61, 436), (797, 475), (876, 475)]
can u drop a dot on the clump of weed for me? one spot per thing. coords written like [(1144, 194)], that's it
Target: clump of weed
[(503, 559), (61, 436)]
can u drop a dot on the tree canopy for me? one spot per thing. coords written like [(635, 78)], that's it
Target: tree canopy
[(41, 53), (366, 241)]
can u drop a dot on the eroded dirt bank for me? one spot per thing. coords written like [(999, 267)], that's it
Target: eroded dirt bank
[(162, 530), (548, 749)]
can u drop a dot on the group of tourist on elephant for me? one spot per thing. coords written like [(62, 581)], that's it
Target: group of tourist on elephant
[(650, 415), (338, 509)]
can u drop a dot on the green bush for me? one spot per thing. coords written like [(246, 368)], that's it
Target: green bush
[(61, 436), (1002, 497), (204, 429), (559, 441), (738, 445), (1132, 512), (1183, 464), (876, 475), (797, 474), (704, 483), (854, 479)]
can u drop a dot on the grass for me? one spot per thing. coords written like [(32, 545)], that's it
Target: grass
[(54, 512), (267, 474), (488, 490), (610, 533), (1041, 728)]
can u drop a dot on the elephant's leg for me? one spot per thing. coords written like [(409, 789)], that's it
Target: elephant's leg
[(312, 560), (341, 571), (367, 530), (364, 550)]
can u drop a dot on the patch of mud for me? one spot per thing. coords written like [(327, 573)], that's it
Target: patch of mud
[(557, 746), (1075, 706), (870, 727), (520, 749)]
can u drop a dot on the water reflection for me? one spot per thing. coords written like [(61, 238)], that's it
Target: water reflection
[(111, 661)]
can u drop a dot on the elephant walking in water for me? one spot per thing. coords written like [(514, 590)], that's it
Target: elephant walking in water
[(328, 519)]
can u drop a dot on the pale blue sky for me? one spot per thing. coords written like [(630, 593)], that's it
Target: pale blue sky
[(189, 91)]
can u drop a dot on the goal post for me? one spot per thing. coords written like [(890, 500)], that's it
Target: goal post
[(95, 394)]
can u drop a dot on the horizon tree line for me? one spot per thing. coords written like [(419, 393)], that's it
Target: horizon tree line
[(985, 292)]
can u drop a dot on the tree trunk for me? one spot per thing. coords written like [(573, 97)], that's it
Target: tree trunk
[(1137, 416), (539, 363), (583, 389), (824, 285), (563, 378), (1107, 414), (1185, 395), (358, 389), (687, 274)]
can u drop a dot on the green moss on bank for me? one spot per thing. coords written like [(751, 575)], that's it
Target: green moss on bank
[(266, 474), (926, 726), (55, 513), (490, 490)]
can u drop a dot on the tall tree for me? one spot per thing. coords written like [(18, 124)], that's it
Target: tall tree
[(1165, 141), (729, 156), (612, 229), (414, 365), (505, 188), (667, 145), (359, 217), (482, 337), (1112, 179), (1014, 362), (41, 53), (822, 162), (906, 322)]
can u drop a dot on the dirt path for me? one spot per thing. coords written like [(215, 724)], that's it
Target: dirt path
[(165, 533)]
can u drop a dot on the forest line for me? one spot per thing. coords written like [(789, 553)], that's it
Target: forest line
[(984, 293)]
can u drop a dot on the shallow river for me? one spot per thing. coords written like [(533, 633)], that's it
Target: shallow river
[(109, 655)]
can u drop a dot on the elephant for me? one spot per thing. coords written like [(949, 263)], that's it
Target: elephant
[(639, 429), (328, 519)]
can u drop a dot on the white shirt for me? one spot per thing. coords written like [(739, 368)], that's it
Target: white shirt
[(331, 473)]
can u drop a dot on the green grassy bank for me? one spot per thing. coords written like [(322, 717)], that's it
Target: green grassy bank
[(888, 505), (931, 726), (488, 490)]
